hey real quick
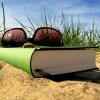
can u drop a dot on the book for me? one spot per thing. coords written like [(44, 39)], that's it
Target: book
[(53, 61), (44, 61)]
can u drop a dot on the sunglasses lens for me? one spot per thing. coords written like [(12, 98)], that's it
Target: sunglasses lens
[(47, 37), (14, 38)]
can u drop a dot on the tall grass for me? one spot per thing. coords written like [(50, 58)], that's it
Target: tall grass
[(3, 12), (76, 35), (2, 31), (72, 32)]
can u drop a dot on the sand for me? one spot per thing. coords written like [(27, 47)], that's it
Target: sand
[(16, 84)]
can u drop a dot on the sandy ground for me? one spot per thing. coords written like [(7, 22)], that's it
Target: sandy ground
[(16, 84)]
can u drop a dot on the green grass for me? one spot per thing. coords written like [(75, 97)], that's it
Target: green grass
[(74, 33)]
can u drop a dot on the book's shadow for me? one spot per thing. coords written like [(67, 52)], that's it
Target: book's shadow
[(93, 76)]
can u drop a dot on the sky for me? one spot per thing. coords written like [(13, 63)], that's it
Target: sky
[(16, 8)]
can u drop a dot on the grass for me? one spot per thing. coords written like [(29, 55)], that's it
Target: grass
[(3, 12), (4, 24), (74, 33)]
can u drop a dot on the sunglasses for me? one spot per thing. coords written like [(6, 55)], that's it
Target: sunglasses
[(43, 36)]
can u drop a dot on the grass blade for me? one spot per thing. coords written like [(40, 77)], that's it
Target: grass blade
[(3, 10), (29, 19), (23, 26)]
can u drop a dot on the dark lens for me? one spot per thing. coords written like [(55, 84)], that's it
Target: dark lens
[(14, 38), (47, 37)]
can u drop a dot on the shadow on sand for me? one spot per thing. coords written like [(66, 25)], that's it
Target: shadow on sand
[(93, 76)]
